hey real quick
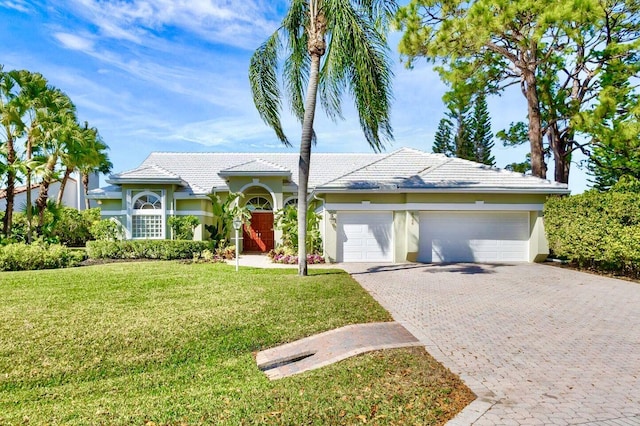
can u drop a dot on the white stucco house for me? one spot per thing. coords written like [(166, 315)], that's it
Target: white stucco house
[(407, 205), (73, 193)]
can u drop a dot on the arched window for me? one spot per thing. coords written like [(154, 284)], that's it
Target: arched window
[(147, 212), (293, 201), (259, 203)]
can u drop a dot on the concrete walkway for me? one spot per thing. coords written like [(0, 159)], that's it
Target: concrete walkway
[(332, 346), (536, 343)]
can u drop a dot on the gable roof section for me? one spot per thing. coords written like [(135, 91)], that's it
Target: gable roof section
[(147, 173), (411, 169), (258, 167), (200, 170)]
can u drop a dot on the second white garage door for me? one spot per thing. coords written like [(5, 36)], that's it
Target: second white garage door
[(474, 236), (365, 237)]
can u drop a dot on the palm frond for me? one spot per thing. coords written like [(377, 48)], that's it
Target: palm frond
[(361, 61), (264, 85), (296, 66)]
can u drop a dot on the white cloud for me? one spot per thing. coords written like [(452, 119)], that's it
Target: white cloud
[(74, 42), (19, 5), (241, 24)]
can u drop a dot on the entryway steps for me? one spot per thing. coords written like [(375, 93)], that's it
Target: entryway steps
[(332, 346)]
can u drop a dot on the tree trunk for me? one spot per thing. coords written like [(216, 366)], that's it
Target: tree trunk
[(305, 161), (28, 155), (63, 185), (43, 194), (11, 186), (538, 165), (561, 154), (85, 184)]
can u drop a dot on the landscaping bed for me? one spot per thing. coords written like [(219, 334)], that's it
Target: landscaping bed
[(173, 343)]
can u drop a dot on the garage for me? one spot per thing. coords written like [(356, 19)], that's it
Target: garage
[(365, 236), (473, 236)]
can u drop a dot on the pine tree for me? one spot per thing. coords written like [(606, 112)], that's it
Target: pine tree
[(480, 131), (443, 140)]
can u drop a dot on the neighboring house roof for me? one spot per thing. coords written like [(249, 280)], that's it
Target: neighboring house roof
[(405, 168), (20, 189)]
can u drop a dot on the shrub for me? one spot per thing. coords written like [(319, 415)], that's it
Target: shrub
[(286, 220), (107, 230), (287, 256), (72, 227), (599, 230), (146, 249), (23, 257), (183, 226)]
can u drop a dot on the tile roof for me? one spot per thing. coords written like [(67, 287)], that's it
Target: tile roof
[(256, 166), (405, 168), (409, 168)]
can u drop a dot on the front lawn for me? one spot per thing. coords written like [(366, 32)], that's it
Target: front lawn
[(173, 343)]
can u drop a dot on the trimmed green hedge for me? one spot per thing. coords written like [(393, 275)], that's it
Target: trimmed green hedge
[(599, 230), (146, 249), (24, 257)]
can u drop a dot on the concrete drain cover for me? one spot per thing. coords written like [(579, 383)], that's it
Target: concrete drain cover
[(332, 346)]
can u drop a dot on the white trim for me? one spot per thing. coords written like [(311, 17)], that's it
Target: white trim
[(189, 212), (274, 201), (433, 206), (482, 190), (113, 213), (286, 200), (105, 196), (188, 196)]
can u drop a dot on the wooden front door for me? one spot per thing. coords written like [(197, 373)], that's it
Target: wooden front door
[(259, 235)]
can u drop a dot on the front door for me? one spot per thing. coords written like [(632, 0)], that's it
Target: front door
[(259, 235)]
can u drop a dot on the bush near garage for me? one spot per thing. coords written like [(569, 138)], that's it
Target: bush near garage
[(147, 249), (598, 230)]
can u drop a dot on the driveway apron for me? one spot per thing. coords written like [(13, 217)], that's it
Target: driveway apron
[(538, 344)]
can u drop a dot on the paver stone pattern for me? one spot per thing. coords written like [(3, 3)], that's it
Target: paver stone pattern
[(538, 344)]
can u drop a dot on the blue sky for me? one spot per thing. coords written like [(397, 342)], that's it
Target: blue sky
[(171, 75)]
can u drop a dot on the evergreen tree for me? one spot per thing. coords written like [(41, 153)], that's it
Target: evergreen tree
[(481, 132), (472, 139), (443, 140)]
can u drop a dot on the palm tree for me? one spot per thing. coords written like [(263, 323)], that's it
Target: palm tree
[(11, 125), (331, 46), (96, 161), (61, 129)]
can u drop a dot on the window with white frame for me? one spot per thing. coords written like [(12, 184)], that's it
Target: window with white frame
[(293, 202), (146, 219), (259, 203)]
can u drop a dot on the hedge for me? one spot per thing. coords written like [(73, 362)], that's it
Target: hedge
[(146, 249), (599, 230), (24, 257)]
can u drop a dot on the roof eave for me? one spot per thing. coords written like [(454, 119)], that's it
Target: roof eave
[(485, 190), (162, 181), (224, 174)]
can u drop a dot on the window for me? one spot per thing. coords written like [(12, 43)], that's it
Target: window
[(147, 216), (291, 202), (259, 203)]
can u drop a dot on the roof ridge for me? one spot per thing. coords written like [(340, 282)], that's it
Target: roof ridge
[(503, 170), (162, 169), (361, 168)]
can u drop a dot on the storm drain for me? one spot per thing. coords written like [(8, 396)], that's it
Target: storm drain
[(281, 362)]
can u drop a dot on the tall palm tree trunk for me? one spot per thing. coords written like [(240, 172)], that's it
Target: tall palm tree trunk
[(11, 186), (305, 161), (85, 184), (29, 202), (63, 185), (43, 195)]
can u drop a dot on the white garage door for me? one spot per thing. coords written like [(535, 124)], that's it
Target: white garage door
[(474, 236), (365, 237)]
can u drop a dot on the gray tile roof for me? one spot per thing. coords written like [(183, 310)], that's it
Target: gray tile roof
[(405, 168), (409, 168), (256, 166)]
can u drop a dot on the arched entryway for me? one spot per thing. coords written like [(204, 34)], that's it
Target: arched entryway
[(258, 236)]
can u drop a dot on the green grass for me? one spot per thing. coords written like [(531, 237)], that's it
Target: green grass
[(174, 343)]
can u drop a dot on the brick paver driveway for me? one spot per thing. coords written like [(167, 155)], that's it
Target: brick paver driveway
[(538, 344)]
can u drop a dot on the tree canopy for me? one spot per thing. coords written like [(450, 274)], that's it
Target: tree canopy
[(554, 50)]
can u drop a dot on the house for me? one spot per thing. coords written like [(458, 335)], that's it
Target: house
[(407, 205), (73, 193)]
